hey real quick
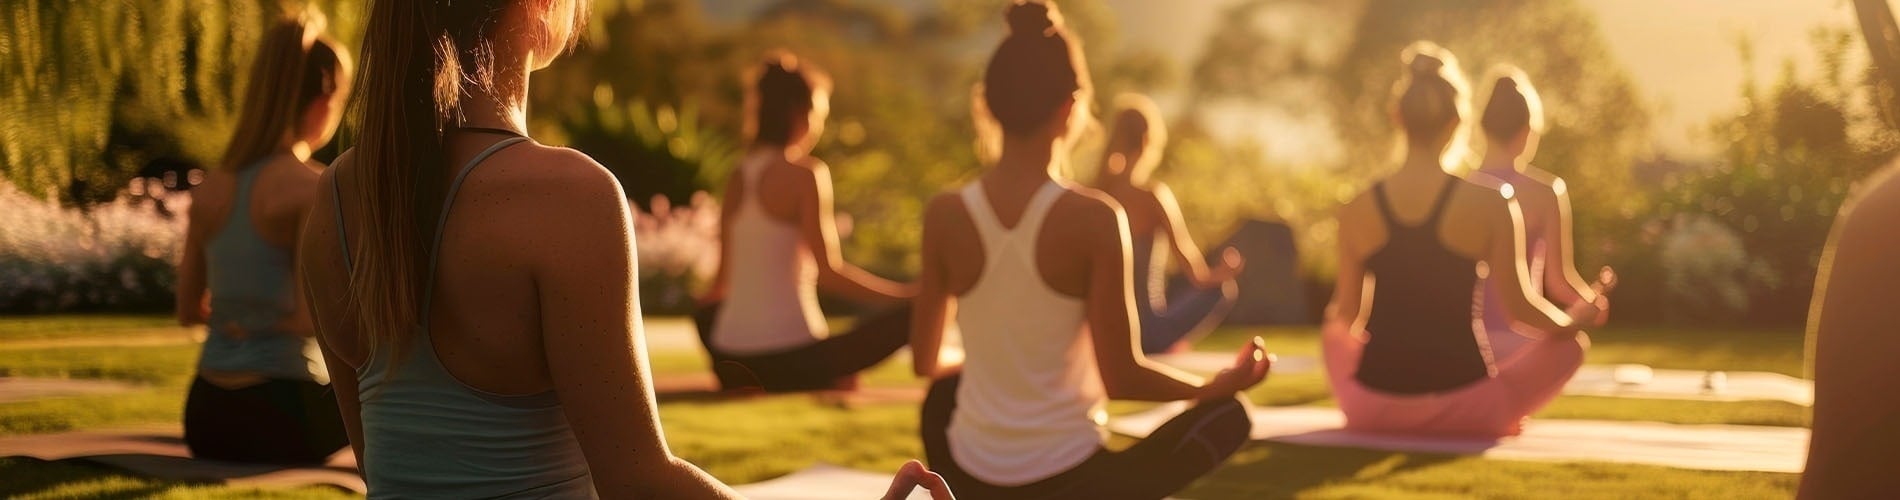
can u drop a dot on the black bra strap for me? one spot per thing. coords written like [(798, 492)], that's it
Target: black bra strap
[(1385, 205)]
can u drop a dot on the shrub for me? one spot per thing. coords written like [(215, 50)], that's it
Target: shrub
[(111, 256)]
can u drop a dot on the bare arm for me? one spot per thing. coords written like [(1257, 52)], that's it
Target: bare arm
[(1193, 264), (1507, 264), (1561, 280), (818, 221), (590, 324), (934, 306), (1110, 304), (299, 321), (348, 402), (193, 307)]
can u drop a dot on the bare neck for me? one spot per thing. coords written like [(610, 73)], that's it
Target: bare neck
[(1028, 160), (505, 105)]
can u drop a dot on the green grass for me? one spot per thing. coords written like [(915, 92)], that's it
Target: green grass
[(754, 439)]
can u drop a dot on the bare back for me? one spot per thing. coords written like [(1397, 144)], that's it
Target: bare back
[(486, 313), (283, 194), (1064, 263)]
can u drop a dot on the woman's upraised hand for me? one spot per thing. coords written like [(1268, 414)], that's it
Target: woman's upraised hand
[(1250, 368), (913, 475)]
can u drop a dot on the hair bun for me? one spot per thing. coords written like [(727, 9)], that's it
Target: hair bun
[(1032, 18), (1422, 58), (781, 62)]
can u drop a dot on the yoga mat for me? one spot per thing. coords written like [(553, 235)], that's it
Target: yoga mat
[(1703, 447), (158, 452), (1621, 381), (1638, 381), (824, 482)]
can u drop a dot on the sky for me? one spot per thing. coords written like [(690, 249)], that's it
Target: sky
[(1682, 54)]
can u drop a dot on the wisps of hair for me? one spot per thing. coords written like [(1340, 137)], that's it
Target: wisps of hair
[(1514, 105), (784, 90), (295, 67), (419, 58)]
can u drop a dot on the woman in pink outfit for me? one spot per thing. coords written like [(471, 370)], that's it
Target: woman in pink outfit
[(1406, 355)]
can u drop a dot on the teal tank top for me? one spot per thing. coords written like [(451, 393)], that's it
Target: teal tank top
[(428, 435), (251, 294)]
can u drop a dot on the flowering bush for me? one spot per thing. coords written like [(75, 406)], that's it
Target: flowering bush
[(677, 248), (115, 256)]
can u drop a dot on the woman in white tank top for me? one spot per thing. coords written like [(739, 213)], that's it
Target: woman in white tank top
[(1036, 273), (761, 323)]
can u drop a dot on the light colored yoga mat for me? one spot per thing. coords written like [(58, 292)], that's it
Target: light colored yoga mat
[(1704, 447), (824, 482), (158, 452), (1638, 381), (1623, 381)]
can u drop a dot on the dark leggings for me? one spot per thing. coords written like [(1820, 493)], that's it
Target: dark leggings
[(293, 422), (832, 363), (1179, 452)]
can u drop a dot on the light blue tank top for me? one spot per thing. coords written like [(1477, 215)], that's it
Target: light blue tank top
[(251, 293), (428, 435)]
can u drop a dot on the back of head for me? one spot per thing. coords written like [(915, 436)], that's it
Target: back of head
[(1036, 71), (785, 91), (1139, 126), (1431, 95), (1514, 106), (295, 67), (419, 59)]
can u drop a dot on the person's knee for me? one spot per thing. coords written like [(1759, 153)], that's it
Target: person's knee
[(1228, 423)]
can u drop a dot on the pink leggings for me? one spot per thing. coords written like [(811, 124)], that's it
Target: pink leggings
[(1494, 407)]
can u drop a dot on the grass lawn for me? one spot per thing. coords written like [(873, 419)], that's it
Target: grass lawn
[(760, 438)]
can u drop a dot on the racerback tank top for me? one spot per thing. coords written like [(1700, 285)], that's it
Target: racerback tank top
[(251, 290), (428, 435), (772, 294), (1031, 403), (1421, 336)]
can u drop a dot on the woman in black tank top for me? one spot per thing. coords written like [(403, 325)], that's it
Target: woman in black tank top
[(1413, 360)]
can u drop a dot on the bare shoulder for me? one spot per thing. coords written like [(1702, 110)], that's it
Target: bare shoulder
[(945, 208), (1874, 207), (1485, 203), (1091, 210), (560, 175), (213, 194)]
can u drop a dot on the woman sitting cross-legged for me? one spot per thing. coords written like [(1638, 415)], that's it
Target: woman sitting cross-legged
[(1155, 228), (779, 245), (1410, 359), (1513, 120), (1035, 271)]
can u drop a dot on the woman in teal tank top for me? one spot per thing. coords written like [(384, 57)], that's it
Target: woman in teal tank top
[(474, 291), (262, 392)]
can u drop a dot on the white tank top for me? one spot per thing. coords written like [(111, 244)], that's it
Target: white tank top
[(772, 294), (1031, 404)]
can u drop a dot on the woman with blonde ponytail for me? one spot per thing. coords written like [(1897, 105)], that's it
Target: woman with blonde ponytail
[(473, 289), (261, 393), (1405, 357)]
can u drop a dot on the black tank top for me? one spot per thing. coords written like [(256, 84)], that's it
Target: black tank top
[(1421, 332)]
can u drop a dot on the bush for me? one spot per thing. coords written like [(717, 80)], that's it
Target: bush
[(677, 250), (112, 256)]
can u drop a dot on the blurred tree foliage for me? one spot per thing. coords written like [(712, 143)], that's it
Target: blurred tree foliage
[(1332, 65), (91, 92), (1792, 153)]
